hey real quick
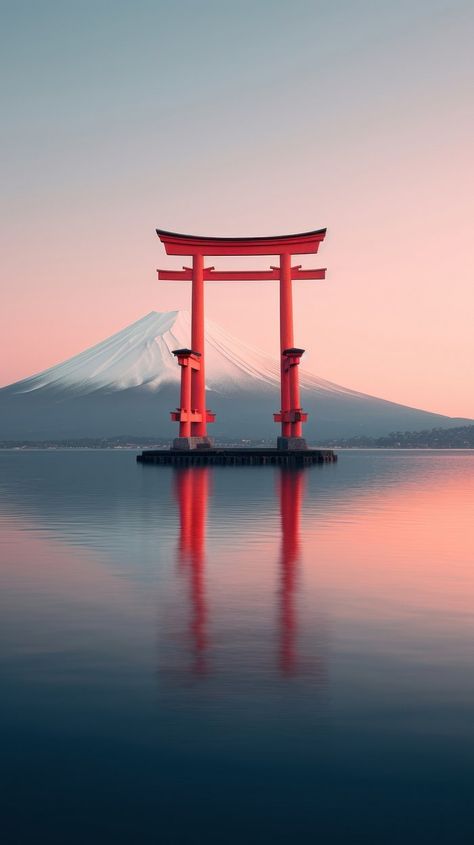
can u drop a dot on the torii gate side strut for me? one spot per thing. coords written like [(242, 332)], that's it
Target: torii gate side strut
[(192, 414)]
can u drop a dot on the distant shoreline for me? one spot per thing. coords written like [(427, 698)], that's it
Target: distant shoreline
[(456, 438), (139, 448)]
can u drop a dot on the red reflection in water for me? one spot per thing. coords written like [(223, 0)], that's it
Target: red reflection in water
[(192, 490), (291, 488)]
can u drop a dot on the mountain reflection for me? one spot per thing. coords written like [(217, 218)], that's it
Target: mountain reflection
[(192, 488)]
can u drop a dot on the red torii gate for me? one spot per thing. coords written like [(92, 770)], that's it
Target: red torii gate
[(192, 414)]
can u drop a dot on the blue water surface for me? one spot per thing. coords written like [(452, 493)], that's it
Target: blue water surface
[(237, 655)]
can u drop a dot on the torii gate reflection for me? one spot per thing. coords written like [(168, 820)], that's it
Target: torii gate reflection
[(192, 491), (192, 486), (291, 484)]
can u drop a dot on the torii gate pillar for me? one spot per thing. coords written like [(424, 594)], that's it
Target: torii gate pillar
[(291, 415)]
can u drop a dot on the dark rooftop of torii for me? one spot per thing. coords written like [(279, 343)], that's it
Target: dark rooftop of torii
[(180, 244)]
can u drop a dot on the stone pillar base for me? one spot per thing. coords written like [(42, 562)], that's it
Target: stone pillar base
[(187, 443), (291, 443)]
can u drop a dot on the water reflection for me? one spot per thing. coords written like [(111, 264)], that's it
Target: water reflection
[(192, 489), (230, 582), (291, 489), (192, 493)]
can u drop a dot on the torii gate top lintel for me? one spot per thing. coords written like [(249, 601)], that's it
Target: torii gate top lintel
[(297, 244)]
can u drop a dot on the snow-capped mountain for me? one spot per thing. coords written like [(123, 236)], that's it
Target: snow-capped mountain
[(128, 384), (141, 356)]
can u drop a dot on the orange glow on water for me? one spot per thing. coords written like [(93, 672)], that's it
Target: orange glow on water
[(382, 560)]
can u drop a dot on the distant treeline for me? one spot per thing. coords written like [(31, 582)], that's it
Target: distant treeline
[(434, 438), (123, 441)]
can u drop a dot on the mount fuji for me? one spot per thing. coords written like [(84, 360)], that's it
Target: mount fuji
[(128, 384)]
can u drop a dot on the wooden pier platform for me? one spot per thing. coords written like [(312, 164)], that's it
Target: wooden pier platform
[(236, 457)]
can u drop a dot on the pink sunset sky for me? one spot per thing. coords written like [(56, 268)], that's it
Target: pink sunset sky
[(240, 118)]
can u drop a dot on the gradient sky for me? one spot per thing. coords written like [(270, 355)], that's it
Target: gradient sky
[(236, 118)]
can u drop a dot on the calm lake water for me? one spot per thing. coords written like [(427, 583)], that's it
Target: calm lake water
[(237, 655)]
